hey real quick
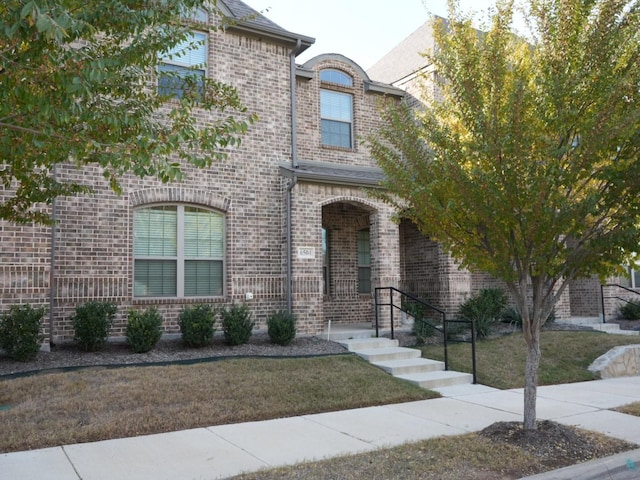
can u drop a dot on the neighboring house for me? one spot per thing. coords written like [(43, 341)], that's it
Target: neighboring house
[(283, 222)]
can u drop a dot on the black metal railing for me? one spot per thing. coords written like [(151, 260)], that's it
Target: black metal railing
[(614, 297), (405, 299)]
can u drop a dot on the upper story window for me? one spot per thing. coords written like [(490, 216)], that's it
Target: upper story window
[(336, 77), (178, 252), (184, 66), (336, 109), (199, 15)]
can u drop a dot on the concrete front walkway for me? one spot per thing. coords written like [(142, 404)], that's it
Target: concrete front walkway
[(227, 450)]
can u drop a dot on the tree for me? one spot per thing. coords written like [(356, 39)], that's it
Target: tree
[(529, 167), (77, 84)]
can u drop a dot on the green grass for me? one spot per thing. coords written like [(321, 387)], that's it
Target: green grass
[(97, 404), (500, 361)]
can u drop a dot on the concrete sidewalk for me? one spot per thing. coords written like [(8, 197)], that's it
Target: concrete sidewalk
[(227, 450)]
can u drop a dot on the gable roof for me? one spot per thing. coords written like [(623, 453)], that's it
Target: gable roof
[(306, 71), (405, 58), (249, 20)]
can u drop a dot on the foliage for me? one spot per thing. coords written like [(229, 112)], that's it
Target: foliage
[(527, 168), (237, 324), (197, 325), (423, 327), (630, 310), (72, 78), (512, 316), (281, 327), (144, 329), (91, 324), (20, 335), (484, 308)]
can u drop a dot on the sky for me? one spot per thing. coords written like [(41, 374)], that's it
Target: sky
[(362, 30)]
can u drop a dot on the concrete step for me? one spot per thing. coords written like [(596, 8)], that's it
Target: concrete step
[(404, 363), (580, 320), (409, 366), (437, 379), (596, 324), (391, 353), (369, 343), (614, 328)]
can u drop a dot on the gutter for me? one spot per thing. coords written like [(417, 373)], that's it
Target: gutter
[(52, 266), (294, 164)]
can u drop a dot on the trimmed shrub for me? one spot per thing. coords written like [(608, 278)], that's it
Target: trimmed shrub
[(20, 333), (485, 308), (197, 325), (91, 323), (630, 310), (281, 327), (144, 329), (236, 324)]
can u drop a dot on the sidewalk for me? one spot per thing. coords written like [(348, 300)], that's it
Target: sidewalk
[(227, 450)]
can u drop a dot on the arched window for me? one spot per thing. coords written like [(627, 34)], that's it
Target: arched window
[(336, 77), (336, 109), (178, 251)]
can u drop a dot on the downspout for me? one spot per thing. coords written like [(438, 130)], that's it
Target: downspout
[(52, 266), (294, 164)]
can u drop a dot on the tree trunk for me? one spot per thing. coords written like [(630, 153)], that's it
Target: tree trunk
[(531, 381)]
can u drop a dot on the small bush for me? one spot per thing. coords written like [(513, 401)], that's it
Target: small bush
[(91, 323), (422, 330), (423, 327), (456, 330), (630, 310), (485, 308), (20, 333), (144, 329), (281, 327), (197, 325), (236, 324), (512, 316)]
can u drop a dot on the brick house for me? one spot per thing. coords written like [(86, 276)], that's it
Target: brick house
[(286, 220)]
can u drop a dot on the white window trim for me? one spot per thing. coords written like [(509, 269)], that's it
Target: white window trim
[(180, 257), (331, 119), (176, 62)]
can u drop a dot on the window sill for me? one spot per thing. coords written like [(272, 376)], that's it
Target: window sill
[(339, 149), (176, 300)]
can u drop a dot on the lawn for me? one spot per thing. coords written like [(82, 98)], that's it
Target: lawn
[(566, 355), (98, 403)]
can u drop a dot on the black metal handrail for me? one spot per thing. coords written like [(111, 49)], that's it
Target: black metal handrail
[(604, 320), (443, 330)]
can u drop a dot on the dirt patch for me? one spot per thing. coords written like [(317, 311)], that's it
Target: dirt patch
[(553, 444)]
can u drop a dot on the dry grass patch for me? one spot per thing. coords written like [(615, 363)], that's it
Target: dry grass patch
[(466, 457), (565, 357), (96, 404), (631, 409)]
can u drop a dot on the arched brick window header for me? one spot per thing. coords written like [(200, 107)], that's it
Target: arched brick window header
[(169, 194)]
